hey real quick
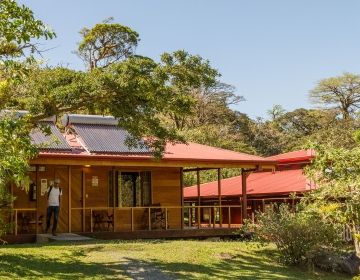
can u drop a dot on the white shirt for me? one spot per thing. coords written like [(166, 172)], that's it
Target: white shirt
[(54, 196)]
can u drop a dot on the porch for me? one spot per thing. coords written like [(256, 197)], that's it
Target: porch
[(138, 221)]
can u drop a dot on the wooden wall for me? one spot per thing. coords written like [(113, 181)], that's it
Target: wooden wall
[(23, 201), (80, 192), (167, 192)]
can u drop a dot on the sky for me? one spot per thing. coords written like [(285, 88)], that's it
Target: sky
[(273, 52)]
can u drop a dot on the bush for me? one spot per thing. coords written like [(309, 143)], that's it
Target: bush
[(298, 236)]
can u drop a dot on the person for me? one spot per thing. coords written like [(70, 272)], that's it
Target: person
[(54, 198)]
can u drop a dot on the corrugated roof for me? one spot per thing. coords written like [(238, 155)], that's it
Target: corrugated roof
[(259, 183), (105, 139), (53, 141)]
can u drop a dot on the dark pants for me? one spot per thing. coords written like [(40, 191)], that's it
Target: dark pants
[(50, 210)]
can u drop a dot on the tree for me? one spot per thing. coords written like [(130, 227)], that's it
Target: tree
[(18, 28), (276, 111), (336, 171), (342, 92), (212, 106), (106, 43)]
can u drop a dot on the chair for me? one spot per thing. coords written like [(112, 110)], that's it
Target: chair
[(158, 217), (102, 218), (28, 222)]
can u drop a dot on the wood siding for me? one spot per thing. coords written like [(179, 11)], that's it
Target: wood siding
[(165, 190)]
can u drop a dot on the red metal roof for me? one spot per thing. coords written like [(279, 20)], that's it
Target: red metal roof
[(295, 156), (260, 183), (173, 152)]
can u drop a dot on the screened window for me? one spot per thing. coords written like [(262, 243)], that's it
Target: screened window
[(134, 189)]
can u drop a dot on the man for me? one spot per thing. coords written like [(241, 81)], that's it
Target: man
[(54, 193)]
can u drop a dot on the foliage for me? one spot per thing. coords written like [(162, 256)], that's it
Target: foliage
[(17, 28), (299, 236), (342, 92), (15, 152), (106, 43), (337, 173)]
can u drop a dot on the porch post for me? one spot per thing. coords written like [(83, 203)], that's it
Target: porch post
[(37, 201), (83, 200), (182, 196), (244, 196), (113, 174), (69, 179), (219, 194), (198, 210)]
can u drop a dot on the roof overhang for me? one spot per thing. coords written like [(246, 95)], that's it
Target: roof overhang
[(133, 160)]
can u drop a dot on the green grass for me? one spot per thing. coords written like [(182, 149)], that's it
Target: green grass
[(148, 260)]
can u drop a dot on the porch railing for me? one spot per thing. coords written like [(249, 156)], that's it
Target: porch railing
[(155, 218), (119, 219)]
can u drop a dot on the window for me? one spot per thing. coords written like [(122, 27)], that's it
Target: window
[(134, 189)]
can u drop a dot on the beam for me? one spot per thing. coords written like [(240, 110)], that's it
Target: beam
[(198, 169), (213, 164)]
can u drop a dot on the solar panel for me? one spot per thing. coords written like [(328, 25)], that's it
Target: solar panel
[(106, 139), (54, 141)]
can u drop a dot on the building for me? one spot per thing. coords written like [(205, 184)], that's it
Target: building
[(263, 189), (111, 188)]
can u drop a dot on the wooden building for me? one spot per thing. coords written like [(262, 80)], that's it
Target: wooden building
[(110, 187), (264, 188)]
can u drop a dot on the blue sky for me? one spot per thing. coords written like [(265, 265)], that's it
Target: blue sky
[(273, 52)]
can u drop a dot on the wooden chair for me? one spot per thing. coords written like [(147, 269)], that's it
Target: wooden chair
[(28, 222), (101, 218), (158, 217)]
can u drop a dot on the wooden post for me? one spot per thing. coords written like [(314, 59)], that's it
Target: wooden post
[(114, 194), (263, 205), (132, 218), (214, 218), (229, 218), (69, 178), (199, 198), (166, 218), (182, 196), (198, 217), (91, 220), (83, 200), (244, 195), (37, 201), (219, 194), (210, 217), (149, 218)]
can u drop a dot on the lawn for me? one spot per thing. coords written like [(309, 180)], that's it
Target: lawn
[(148, 260)]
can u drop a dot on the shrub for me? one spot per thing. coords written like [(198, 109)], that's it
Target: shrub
[(298, 236)]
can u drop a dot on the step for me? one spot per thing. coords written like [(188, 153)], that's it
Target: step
[(45, 238)]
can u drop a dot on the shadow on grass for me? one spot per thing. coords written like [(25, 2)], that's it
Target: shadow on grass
[(260, 265), (241, 266)]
